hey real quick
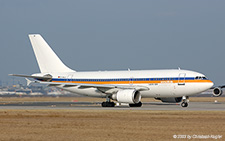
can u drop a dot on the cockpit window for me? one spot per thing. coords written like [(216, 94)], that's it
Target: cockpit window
[(204, 78), (201, 78)]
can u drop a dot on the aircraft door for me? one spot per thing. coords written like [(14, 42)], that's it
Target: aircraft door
[(69, 78), (181, 79)]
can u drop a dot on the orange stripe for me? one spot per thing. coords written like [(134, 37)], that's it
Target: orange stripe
[(137, 82)]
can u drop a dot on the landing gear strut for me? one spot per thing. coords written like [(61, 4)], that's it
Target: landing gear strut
[(185, 101), (108, 103)]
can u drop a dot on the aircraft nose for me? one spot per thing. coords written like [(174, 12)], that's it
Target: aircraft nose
[(210, 84)]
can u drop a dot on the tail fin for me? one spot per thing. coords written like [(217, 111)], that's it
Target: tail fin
[(47, 60)]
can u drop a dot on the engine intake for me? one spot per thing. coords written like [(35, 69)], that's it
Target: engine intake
[(217, 92), (130, 96)]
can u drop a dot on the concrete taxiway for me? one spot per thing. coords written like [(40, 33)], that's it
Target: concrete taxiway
[(193, 106)]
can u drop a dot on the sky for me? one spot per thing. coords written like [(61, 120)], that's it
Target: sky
[(92, 35)]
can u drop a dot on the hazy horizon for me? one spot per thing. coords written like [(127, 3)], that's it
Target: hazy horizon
[(115, 35)]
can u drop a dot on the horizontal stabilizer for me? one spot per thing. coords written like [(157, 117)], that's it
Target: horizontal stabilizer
[(44, 78), (29, 81)]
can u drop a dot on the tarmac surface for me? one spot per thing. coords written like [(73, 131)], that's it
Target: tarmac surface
[(193, 106)]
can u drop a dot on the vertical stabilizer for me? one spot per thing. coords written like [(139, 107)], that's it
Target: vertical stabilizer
[(48, 61)]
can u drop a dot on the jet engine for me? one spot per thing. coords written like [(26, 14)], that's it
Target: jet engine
[(217, 92), (130, 96), (170, 99)]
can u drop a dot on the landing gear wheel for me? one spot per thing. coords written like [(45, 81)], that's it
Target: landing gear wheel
[(185, 101), (108, 104), (184, 104), (139, 104)]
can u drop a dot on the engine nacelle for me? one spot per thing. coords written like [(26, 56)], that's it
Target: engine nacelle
[(130, 96), (170, 99), (217, 92)]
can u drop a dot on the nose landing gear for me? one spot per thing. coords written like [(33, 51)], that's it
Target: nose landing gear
[(185, 101)]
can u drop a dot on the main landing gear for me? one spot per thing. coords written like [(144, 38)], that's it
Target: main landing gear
[(108, 103), (185, 101), (139, 104), (112, 104)]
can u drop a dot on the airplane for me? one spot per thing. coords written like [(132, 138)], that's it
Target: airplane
[(129, 86)]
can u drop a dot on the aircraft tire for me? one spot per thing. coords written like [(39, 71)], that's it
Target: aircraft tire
[(139, 104), (108, 104), (184, 104)]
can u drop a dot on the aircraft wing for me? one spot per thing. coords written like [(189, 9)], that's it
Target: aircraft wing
[(222, 86), (107, 88), (102, 87)]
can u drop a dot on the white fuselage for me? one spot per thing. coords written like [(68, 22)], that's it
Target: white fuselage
[(160, 83), (121, 86)]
